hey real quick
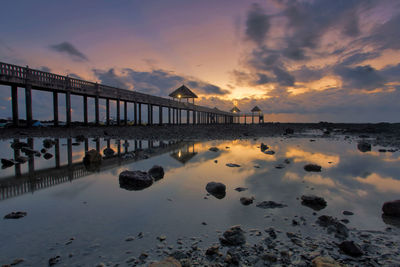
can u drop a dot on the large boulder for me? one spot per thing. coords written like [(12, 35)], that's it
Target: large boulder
[(218, 190), (391, 208), (312, 168), (233, 237), (135, 180), (364, 146), (92, 160), (313, 202), (157, 172)]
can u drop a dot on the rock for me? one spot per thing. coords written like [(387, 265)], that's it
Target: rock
[(391, 208), (263, 147), (271, 232), (214, 149), (346, 221), (18, 145), (232, 165), (80, 138), (289, 131), (7, 163), (269, 152), (233, 237), (270, 205), (218, 190), (168, 262), (287, 161), (15, 215), (333, 226), (129, 238), (157, 172), (108, 152), (240, 189), (350, 248), (346, 212), (279, 166), (48, 143), (270, 257), (143, 256), (21, 159), (17, 261), (161, 237), (54, 260), (135, 180), (212, 250), (29, 151), (43, 150), (325, 262), (92, 160), (312, 168), (47, 156), (314, 202), (391, 220), (364, 146), (246, 200)]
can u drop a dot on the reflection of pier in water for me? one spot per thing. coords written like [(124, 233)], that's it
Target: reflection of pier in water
[(20, 184)]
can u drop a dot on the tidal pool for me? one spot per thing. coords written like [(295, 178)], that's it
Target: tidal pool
[(65, 202)]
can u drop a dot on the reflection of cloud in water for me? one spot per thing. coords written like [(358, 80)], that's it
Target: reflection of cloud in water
[(382, 184), (319, 179), (317, 158)]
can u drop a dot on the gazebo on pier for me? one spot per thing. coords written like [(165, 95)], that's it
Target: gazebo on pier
[(236, 110), (257, 110), (183, 92)]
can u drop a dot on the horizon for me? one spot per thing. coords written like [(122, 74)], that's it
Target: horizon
[(299, 61)]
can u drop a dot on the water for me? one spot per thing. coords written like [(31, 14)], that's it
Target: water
[(99, 215)]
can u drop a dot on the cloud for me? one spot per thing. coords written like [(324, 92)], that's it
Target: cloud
[(45, 69), (257, 24), (70, 50), (360, 77), (156, 82)]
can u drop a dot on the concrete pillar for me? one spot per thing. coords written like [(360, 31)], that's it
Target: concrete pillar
[(68, 107), (55, 108), (160, 115), (57, 152), (69, 151), (107, 111), (173, 115), (149, 114), (180, 116), (245, 119), (252, 118), (118, 112), (96, 109), (187, 116), (14, 100), (169, 115), (194, 117), (28, 104), (134, 113), (85, 110), (125, 112), (140, 114)]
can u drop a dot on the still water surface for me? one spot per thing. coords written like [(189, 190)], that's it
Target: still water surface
[(65, 201)]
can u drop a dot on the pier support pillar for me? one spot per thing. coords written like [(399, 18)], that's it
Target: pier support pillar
[(149, 117), (14, 100), (55, 108), (134, 113), (194, 117), (169, 116), (96, 107), (118, 112), (140, 114), (125, 113), (107, 111), (28, 104), (160, 115), (85, 110), (187, 116), (68, 107)]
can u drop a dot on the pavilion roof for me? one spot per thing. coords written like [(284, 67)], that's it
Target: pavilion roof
[(256, 109), (235, 109), (183, 92)]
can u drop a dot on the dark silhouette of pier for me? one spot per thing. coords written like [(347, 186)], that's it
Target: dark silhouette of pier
[(31, 79), (34, 180)]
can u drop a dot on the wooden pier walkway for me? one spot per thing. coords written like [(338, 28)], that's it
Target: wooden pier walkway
[(31, 79)]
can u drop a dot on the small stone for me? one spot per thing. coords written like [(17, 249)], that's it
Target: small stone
[(47, 156), (350, 248), (269, 152), (312, 168), (17, 261), (162, 238), (270, 205), (232, 165), (325, 262), (246, 200), (129, 238), (212, 250), (218, 190), (214, 149), (233, 237), (15, 215), (240, 189), (54, 260), (346, 212), (157, 172)]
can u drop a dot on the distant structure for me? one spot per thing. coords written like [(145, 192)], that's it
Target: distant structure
[(183, 92), (235, 110), (184, 154), (257, 110)]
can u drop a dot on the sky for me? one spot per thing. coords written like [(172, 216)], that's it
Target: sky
[(298, 60)]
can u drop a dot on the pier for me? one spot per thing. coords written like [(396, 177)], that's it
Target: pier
[(31, 79)]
